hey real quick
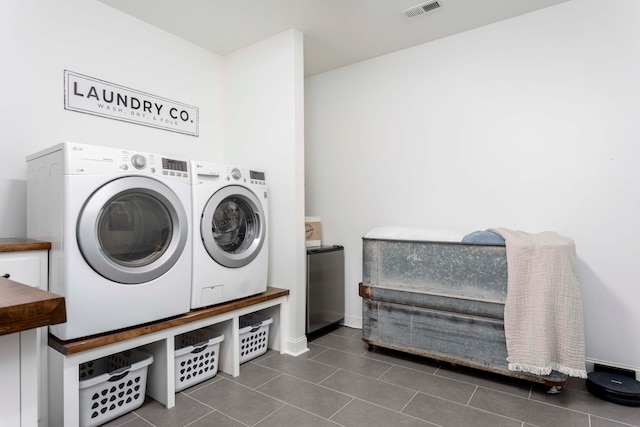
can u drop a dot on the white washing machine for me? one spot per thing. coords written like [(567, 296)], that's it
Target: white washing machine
[(118, 222), (230, 247)]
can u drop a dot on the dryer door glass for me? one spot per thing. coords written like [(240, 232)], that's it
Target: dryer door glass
[(232, 227), (132, 230)]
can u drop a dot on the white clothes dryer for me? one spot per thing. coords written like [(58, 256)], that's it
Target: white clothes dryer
[(230, 239), (118, 223)]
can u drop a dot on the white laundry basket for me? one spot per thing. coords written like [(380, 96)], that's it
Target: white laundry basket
[(112, 386), (197, 354), (254, 335)]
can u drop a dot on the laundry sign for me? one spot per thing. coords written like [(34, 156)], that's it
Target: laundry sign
[(89, 95)]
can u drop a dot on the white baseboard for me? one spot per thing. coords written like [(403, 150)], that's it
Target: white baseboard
[(352, 322), (295, 346)]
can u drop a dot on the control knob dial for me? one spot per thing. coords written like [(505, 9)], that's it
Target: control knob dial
[(138, 161)]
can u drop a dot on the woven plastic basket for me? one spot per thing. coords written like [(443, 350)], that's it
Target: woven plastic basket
[(197, 353), (112, 386), (254, 335)]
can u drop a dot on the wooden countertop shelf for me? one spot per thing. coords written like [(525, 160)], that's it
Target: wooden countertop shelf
[(88, 343), (10, 244), (24, 307)]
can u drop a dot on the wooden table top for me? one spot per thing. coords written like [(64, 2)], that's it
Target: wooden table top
[(24, 307)]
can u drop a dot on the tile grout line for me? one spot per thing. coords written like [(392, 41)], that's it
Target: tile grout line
[(264, 418), (248, 388), (398, 412), (287, 403), (540, 402), (322, 352), (409, 401), (338, 411), (215, 410), (474, 407), (472, 394), (328, 376), (382, 374), (342, 368)]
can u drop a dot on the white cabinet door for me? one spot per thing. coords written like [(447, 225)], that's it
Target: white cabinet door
[(10, 380), (29, 268)]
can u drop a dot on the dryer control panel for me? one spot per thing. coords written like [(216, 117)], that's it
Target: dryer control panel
[(174, 167), (87, 159)]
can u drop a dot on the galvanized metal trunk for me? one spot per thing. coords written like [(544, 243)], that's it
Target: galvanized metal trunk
[(443, 300)]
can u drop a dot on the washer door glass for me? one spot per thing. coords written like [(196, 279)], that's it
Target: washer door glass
[(233, 226), (132, 230)]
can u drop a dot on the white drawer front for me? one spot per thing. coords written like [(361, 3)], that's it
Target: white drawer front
[(28, 267)]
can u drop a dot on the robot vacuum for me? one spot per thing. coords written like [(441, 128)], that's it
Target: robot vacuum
[(614, 387)]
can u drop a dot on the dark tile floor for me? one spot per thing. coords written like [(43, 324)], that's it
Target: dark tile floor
[(339, 383)]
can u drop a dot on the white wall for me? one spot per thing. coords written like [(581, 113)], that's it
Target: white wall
[(42, 38), (530, 123), (264, 108), (262, 84)]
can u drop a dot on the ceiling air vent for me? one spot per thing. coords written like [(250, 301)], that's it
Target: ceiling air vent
[(421, 9)]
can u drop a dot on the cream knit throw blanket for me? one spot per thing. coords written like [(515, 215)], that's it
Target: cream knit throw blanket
[(543, 321)]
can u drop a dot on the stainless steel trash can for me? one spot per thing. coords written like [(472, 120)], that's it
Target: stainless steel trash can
[(325, 289)]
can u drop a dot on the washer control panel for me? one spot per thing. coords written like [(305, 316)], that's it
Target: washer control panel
[(154, 164), (245, 176)]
